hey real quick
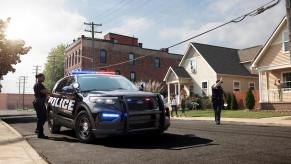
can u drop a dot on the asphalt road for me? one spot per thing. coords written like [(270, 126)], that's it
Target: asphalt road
[(184, 142)]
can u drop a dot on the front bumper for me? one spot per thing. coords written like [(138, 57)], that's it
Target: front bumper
[(131, 124)]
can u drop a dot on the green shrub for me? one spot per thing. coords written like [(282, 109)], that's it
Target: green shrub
[(250, 100), (233, 105), (228, 101)]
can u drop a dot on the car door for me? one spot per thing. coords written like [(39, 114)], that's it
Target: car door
[(68, 98)]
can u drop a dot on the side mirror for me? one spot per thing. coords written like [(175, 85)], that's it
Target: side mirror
[(68, 89), (76, 85)]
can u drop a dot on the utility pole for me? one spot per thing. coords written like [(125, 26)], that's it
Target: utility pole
[(92, 25), (36, 69), (23, 81)]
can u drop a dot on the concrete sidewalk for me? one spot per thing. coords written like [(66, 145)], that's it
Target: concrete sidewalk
[(14, 149), (272, 121)]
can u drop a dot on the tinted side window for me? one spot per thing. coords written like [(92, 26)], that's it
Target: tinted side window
[(61, 84)]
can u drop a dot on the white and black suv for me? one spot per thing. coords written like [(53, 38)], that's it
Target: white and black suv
[(98, 105)]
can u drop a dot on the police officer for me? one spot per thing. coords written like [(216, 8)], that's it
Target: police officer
[(40, 93), (217, 99)]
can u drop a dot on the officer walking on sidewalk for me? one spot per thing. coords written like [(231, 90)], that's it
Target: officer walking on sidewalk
[(40, 94)]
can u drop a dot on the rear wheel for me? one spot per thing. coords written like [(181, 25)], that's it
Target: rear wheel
[(53, 127), (83, 127)]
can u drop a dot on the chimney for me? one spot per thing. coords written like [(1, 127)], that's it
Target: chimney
[(140, 45), (288, 14), (164, 50)]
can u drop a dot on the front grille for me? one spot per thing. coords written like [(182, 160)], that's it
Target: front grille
[(143, 121), (142, 103)]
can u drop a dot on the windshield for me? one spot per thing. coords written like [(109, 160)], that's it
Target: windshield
[(104, 83)]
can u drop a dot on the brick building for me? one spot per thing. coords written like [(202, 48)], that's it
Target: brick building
[(115, 48)]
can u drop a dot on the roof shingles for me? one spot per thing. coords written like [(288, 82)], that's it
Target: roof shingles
[(223, 60)]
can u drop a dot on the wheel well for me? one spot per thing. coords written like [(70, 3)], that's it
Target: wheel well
[(78, 110)]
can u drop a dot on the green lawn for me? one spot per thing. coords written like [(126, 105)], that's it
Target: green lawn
[(236, 114)]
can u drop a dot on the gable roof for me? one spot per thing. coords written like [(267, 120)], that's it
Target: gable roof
[(266, 45), (181, 72), (248, 54), (223, 60)]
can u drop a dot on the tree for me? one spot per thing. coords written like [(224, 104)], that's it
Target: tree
[(233, 104), (10, 50), (54, 68), (250, 99)]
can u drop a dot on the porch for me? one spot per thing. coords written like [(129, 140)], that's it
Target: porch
[(275, 89), (178, 79)]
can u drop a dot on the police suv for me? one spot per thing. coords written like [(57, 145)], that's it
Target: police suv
[(102, 104)]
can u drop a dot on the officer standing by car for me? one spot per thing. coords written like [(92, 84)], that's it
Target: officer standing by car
[(217, 99), (40, 94)]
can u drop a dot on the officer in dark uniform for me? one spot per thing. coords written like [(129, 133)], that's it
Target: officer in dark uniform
[(40, 93), (217, 100)]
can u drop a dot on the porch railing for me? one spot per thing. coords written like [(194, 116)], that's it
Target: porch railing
[(276, 95)]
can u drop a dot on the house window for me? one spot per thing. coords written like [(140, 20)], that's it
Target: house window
[(117, 72), (252, 85), (204, 87), (102, 57), (132, 76), (157, 62), (236, 85), (76, 57), (131, 58), (71, 60), (285, 41), (79, 56), (193, 65), (287, 81), (191, 89)]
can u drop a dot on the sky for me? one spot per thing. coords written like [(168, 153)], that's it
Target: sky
[(44, 24)]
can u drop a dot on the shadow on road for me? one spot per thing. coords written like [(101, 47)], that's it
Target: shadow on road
[(17, 120), (165, 141)]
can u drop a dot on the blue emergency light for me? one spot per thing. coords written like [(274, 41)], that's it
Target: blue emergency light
[(79, 72)]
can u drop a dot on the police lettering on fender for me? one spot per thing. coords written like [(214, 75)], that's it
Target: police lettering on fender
[(62, 103)]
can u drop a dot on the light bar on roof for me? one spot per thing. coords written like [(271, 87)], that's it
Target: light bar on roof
[(78, 72)]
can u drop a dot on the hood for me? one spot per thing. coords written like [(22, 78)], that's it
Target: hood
[(122, 93)]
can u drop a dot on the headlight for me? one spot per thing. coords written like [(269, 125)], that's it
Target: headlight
[(103, 100)]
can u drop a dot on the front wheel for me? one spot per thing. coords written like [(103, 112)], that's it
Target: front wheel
[(83, 127), (53, 128)]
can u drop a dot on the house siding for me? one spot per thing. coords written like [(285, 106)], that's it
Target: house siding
[(244, 83), (203, 73), (274, 54)]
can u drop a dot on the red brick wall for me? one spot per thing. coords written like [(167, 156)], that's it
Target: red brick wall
[(240, 98), (144, 68), (276, 106), (14, 101)]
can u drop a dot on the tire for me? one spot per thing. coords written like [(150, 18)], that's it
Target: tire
[(83, 127), (53, 127)]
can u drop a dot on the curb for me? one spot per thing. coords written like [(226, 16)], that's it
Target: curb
[(25, 140), (238, 122)]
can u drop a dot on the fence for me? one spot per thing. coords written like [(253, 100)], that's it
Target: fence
[(276, 95)]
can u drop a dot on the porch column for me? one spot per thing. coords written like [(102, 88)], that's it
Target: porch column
[(179, 92), (175, 89), (169, 94), (260, 86)]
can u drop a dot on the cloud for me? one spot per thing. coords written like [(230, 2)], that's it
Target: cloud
[(132, 25), (252, 31), (43, 25)]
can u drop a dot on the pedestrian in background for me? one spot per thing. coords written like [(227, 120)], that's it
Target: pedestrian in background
[(174, 105), (217, 99), (183, 104), (40, 94)]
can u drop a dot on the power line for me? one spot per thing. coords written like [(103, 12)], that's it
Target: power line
[(255, 12), (235, 20)]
